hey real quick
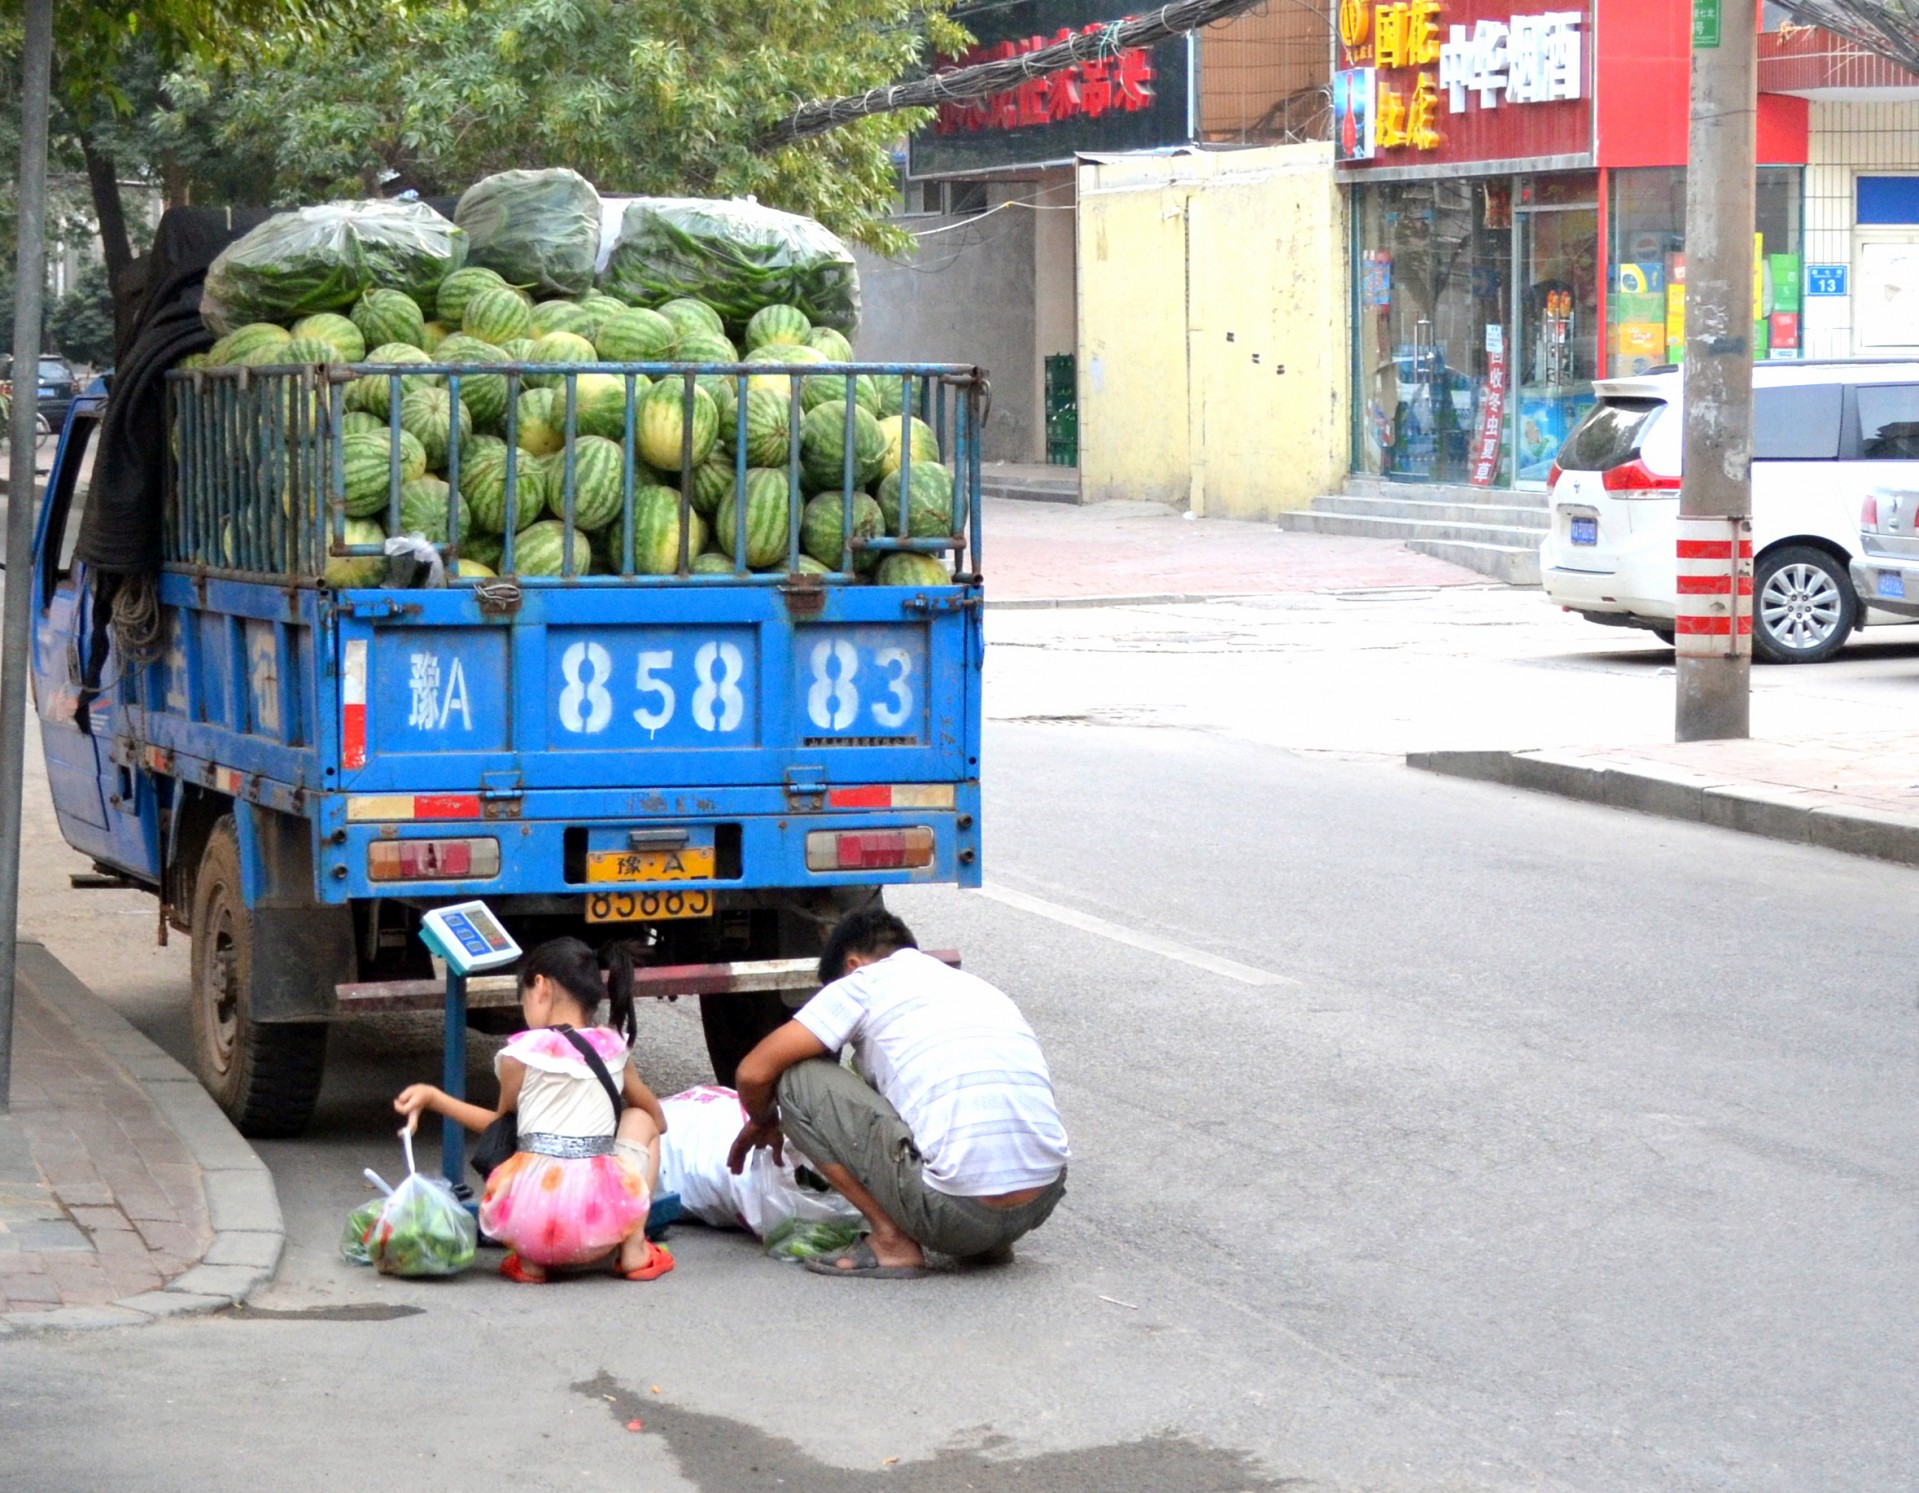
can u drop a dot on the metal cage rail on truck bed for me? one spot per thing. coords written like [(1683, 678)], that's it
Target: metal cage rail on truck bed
[(258, 482)]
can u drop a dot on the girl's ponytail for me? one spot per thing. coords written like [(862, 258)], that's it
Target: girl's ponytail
[(617, 961)]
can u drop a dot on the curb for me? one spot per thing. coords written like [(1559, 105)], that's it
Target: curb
[(249, 1231), (1799, 816)]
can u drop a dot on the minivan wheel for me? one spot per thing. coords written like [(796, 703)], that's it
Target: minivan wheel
[(1803, 606)]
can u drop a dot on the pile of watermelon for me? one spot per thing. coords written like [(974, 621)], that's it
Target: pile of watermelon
[(569, 495)]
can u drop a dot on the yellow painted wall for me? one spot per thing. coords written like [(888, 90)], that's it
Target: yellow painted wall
[(1212, 305)]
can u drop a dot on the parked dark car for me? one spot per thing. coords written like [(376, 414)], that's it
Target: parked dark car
[(59, 386)]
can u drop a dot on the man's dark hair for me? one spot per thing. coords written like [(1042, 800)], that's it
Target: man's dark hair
[(872, 931)]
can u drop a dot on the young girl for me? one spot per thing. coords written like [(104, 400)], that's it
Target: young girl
[(576, 1192)]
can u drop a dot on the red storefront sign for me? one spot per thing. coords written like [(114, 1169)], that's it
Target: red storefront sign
[(1122, 83), (1470, 80), (1492, 418)]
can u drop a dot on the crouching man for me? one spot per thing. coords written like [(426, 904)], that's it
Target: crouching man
[(952, 1142)]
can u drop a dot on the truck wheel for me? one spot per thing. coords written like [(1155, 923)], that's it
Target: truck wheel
[(265, 1076)]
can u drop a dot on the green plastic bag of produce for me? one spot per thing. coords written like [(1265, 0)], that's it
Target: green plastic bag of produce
[(536, 229), (735, 255), (422, 1228), (359, 1225), (323, 258), (792, 1239)]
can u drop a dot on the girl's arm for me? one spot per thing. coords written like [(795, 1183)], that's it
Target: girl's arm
[(424, 1096), (637, 1094)]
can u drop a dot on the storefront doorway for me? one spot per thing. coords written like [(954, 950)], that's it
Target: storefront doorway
[(1557, 314)]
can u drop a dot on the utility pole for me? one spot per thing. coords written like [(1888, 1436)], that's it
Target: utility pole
[(16, 618), (1713, 627)]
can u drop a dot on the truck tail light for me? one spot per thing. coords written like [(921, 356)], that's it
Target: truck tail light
[(868, 849), (476, 859), (1637, 480)]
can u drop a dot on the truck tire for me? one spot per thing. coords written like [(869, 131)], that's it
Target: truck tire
[(266, 1076)]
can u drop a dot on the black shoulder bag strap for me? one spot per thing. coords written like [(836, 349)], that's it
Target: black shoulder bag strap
[(594, 1062)]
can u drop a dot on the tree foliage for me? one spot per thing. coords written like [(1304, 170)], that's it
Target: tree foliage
[(639, 96), (80, 324)]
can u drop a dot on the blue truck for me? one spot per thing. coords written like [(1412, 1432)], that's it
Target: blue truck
[(713, 766)]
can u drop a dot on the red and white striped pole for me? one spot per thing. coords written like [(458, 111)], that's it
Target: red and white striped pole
[(1713, 623)]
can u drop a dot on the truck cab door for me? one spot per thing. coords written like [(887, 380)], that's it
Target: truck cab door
[(63, 624)]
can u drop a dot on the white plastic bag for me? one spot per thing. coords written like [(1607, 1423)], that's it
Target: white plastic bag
[(423, 1229), (701, 1126)]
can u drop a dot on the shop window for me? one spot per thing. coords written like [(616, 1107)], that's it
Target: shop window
[(1888, 201), (1796, 422), (1888, 422)]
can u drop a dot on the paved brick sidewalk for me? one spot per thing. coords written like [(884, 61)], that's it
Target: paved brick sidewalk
[(124, 1194), (1073, 555), (1856, 793)]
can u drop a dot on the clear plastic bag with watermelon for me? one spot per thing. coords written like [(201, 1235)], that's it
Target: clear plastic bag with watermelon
[(536, 229), (735, 255), (324, 258)]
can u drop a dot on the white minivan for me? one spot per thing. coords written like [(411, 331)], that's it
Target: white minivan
[(1818, 450)]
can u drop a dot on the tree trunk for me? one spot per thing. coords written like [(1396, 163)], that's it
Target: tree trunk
[(104, 181)]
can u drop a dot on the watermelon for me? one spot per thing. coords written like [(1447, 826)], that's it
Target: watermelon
[(711, 562), (389, 316), (558, 316), (814, 392), (892, 397), (690, 315), (931, 510), (483, 485), (516, 348), (371, 392), (809, 566), (482, 394), (662, 419), (766, 519), (712, 480), (433, 334), (705, 347), (544, 548), (912, 570), (823, 445), (595, 312), (460, 287), (367, 456), (482, 549), (346, 571), (355, 422), (239, 344), (428, 414), (821, 524), (656, 531), (557, 347), (926, 445), (542, 421), (496, 314), (636, 336), (771, 326), (424, 509), (768, 432), (465, 569), (599, 403), (830, 343), (348, 344), (781, 383), (597, 484)]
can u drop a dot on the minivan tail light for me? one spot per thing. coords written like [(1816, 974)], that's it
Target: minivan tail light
[(1635, 480), (1869, 512), (1553, 474)]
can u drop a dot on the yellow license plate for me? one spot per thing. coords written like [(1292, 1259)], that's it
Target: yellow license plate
[(647, 907), (695, 863)]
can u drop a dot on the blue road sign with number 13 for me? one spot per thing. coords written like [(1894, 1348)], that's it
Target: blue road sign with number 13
[(1826, 279)]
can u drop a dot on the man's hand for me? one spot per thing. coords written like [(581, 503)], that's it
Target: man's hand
[(753, 1135)]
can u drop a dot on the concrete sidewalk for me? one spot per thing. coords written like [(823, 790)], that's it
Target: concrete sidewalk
[(125, 1194), (1123, 553), (1857, 793)]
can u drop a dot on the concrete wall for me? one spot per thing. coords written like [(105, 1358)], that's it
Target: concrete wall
[(1848, 140), (1213, 318), (966, 295)]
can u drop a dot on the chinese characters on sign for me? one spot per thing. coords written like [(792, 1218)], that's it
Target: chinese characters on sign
[(1122, 82), (1405, 34), (434, 707), (1534, 60)]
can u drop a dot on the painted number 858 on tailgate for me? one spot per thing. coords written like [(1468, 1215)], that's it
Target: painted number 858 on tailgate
[(644, 687)]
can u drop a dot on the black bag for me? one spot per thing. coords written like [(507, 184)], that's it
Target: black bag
[(501, 1140)]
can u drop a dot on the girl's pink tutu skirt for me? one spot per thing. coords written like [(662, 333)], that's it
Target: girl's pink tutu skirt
[(563, 1211)]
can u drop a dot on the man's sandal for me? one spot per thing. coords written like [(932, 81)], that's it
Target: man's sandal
[(858, 1259)]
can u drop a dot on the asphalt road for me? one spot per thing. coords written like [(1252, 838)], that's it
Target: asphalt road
[(1577, 1153)]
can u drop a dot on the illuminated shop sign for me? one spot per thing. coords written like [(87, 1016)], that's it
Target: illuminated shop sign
[(1123, 81), (1410, 66)]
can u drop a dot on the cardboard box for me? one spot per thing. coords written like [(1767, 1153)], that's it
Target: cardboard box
[(1639, 339), (1785, 331), (1788, 283), (1643, 306)]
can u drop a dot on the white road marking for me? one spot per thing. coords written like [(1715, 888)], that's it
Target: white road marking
[(1133, 938)]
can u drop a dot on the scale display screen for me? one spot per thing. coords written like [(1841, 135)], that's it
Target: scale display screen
[(468, 937)]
